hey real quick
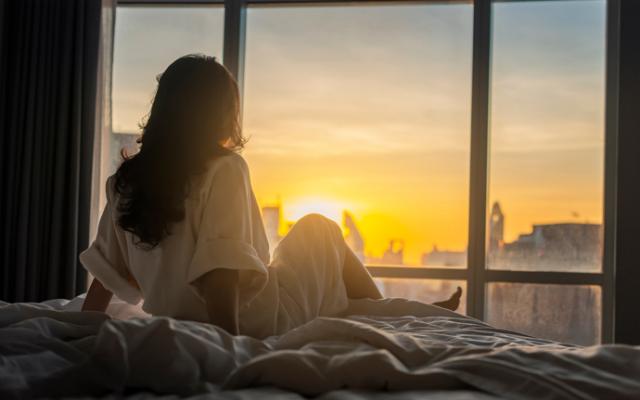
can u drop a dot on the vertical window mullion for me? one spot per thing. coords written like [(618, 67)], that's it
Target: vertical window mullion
[(610, 168), (234, 38), (479, 157)]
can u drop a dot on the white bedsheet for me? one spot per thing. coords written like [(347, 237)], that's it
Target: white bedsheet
[(46, 349)]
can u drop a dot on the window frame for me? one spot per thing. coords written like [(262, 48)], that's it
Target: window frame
[(476, 274)]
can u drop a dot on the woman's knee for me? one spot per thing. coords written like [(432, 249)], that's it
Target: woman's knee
[(317, 224), (313, 232), (315, 220)]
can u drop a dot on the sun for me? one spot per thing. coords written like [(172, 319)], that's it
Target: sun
[(298, 208)]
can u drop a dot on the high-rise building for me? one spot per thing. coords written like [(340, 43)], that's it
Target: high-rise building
[(570, 245), (496, 228), (394, 255), (444, 258), (566, 245), (353, 237)]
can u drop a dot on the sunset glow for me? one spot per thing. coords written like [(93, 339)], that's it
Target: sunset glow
[(297, 208)]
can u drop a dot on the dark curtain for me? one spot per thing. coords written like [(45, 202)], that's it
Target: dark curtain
[(48, 81)]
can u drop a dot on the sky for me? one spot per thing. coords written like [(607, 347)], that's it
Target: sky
[(367, 109)]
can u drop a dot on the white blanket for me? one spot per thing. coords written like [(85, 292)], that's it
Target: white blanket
[(45, 349)]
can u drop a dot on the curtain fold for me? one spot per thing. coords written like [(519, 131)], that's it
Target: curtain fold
[(49, 62), (102, 142)]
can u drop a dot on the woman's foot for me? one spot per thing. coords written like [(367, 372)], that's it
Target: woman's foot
[(454, 301)]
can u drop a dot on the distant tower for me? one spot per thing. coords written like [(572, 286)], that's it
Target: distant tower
[(353, 237), (496, 228), (394, 255), (272, 215)]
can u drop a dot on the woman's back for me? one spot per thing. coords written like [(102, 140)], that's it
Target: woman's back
[(221, 228)]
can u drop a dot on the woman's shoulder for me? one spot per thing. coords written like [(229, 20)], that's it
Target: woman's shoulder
[(230, 163), (233, 160), (227, 169)]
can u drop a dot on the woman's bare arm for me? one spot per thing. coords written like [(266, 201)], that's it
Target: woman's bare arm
[(219, 289), (98, 297)]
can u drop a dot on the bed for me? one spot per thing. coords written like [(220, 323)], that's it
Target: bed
[(384, 349)]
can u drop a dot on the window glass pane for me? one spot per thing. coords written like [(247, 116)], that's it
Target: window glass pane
[(566, 313), (547, 135), (425, 290), (147, 40), (364, 109)]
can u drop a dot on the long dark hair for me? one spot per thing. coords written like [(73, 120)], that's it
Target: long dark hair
[(194, 118)]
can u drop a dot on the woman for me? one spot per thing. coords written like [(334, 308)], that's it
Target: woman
[(182, 229)]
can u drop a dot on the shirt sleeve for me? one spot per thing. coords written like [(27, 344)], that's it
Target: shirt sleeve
[(104, 259), (224, 237)]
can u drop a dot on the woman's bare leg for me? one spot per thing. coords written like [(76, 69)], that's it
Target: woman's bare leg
[(357, 279), (453, 302), (360, 284)]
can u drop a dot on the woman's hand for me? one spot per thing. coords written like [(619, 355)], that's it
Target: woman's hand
[(98, 297), (219, 289)]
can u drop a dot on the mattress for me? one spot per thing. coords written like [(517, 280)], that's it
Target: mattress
[(391, 348)]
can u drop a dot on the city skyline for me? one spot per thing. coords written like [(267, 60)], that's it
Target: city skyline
[(574, 245)]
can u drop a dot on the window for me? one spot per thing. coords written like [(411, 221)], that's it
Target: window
[(567, 313), (546, 164), (547, 136), (457, 143), (339, 112)]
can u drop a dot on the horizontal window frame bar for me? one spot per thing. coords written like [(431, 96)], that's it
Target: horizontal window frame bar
[(389, 2), (169, 2), (288, 2), (535, 277), (545, 277), (348, 3), (403, 272), (311, 2)]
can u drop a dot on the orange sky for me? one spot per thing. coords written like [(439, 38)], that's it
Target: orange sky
[(343, 114)]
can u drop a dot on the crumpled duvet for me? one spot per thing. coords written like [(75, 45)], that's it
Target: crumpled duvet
[(391, 344)]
